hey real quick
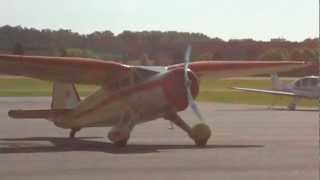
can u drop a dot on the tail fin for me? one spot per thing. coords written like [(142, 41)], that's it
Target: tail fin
[(276, 83), (64, 96)]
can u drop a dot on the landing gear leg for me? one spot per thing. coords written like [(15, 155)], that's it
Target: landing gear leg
[(293, 103), (274, 101), (292, 107), (176, 119), (73, 132), (200, 133)]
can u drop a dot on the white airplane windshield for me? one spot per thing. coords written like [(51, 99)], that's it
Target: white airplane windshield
[(307, 82)]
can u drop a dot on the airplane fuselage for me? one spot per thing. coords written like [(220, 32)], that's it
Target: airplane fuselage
[(311, 93), (307, 87), (135, 104)]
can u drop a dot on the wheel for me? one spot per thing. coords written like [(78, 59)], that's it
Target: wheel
[(121, 143), (201, 142), (73, 132), (200, 134), (292, 107)]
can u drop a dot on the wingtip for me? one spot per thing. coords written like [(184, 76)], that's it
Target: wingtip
[(235, 88), (310, 63), (12, 113)]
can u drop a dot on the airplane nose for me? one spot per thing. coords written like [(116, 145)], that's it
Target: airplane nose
[(175, 88)]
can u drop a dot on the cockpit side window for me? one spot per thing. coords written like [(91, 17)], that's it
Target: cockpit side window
[(313, 82), (307, 82), (298, 83)]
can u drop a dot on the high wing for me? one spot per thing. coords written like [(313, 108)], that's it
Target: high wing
[(64, 69), (100, 72), (265, 91)]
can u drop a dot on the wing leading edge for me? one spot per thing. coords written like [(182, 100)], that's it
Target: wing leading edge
[(64, 69), (265, 91), (100, 72), (224, 69)]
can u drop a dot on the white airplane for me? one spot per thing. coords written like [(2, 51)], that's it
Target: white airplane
[(129, 95), (307, 87)]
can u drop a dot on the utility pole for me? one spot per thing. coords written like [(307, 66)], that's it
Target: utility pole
[(319, 76), (319, 56)]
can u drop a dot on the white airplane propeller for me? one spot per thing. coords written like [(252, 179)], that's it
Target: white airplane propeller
[(188, 84)]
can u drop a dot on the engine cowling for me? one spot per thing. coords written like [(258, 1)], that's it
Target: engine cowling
[(175, 90)]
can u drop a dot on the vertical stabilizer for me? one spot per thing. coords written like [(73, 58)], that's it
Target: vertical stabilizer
[(64, 96), (276, 83)]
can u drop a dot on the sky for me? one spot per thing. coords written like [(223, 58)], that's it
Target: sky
[(294, 20)]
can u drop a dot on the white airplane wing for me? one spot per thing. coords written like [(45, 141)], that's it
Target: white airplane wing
[(265, 91)]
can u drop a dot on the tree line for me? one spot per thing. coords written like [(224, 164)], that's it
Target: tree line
[(157, 47)]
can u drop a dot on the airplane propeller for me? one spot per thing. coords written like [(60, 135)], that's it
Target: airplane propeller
[(201, 132), (188, 82)]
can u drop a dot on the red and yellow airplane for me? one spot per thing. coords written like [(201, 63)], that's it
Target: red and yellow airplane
[(129, 95)]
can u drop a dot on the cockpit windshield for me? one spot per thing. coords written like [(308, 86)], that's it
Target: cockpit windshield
[(307, 82)]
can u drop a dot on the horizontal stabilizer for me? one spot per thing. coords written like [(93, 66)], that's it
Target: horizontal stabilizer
[(34, 114)]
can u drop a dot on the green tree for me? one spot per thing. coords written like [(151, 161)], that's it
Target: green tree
[(210, 56), (309, 55), (17, 49), (205, 56), (296, 55), (218, 56), (85, 53), (275, 54)]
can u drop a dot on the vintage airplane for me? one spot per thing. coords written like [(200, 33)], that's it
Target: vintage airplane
[(306, 87), (129, 95)]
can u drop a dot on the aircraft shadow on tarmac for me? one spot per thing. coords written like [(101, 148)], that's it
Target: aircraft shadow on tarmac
[(302, 110), (270, 109), (59, 144)]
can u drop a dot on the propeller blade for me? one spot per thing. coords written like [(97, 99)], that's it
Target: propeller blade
[(188, 82), (188, 54), (186, 65), (194, 106)]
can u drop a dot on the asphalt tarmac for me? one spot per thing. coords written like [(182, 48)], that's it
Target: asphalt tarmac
[(249, 142)]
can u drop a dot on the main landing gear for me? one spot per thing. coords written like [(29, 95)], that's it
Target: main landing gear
[(293, 103), (200, 133), (73, 132), (292, 107), (121, 143), (119, 136)]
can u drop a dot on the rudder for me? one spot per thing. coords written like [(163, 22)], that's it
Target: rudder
[(276, 83)]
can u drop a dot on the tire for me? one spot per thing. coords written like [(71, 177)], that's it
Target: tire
[(121, 143)]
